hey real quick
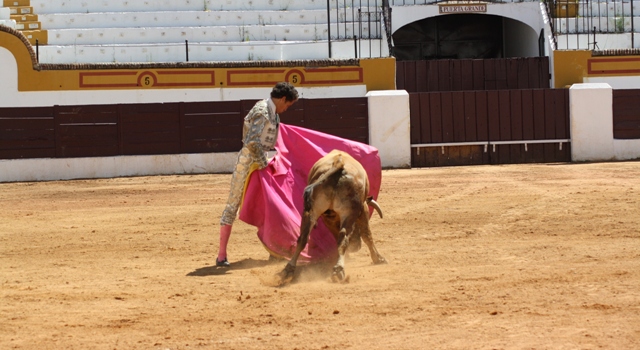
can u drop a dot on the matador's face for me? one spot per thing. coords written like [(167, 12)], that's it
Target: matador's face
[(282, 104)]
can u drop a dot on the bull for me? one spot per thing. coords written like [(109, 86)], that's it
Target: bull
[(337, 190)]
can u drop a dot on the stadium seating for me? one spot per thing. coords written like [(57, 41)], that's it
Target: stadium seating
[(97, 31)]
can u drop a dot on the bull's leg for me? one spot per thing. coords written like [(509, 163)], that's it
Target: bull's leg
[(346, 230), (365, 232), (286, 275)]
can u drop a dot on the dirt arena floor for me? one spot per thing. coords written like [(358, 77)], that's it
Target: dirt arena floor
[(543, 256)]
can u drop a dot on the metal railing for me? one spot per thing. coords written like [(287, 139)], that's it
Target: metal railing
[(431, 2), (580, 23), (358, 20)]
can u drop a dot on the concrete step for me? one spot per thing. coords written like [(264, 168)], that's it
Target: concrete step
[(91, 6), (40, 36), (233, 33), (25, 18), (182, 19), (207, 52), (21, 10), (29, 25)]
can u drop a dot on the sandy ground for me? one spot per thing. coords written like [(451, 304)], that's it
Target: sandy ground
[(542, 256)]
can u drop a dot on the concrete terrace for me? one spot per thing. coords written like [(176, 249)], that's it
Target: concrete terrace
[(82, 31)]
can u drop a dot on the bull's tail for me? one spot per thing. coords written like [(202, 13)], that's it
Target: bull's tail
[(371, 202), (336, 171)]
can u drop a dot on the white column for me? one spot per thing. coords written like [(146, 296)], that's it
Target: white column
[(591, 113), (389, 127)]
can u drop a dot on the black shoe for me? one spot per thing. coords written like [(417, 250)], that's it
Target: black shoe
[(223, 263)]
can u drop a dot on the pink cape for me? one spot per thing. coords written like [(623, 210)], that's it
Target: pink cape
[(273, 196)]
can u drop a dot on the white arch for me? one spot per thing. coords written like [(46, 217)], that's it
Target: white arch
[(525, 12)]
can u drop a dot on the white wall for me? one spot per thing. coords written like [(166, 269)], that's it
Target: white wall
[(592, 126), (525, 12), (47, 169), (519, 39), (628, 82), (390, 127), (5, 18)]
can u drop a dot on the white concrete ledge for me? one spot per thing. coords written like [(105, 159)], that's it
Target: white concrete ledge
[(48, 169), (8, 23), (206, 52), (89, 6), (232, 33), (5, 13), (182, 18)]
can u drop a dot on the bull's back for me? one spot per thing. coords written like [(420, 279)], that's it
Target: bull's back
[(351, 169)]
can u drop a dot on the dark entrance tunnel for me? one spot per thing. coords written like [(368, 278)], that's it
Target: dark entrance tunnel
[(456, 36)]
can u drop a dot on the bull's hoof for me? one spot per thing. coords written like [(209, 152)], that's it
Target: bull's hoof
[(339, 275), (285, 276), (380, 260)]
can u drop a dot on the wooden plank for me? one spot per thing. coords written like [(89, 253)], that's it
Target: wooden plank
[(489, 75), (516, 119), (426, 127), (410, 83), (86, 114), (435, 117), (446, 111), (338, 121), (523, 73), (400, 75), (458, 116), (482, 115), (470, 117), (501, 75), (220, 119), (27, 153), (493, 115), (212, 107), (504, 112), (415, 122), (455, 75), (512, 76), (544, 73), (626, 114), (538, 123), (211, 127), (26, 112), (478, 75), (561, 113), (549, 124), (527, 114), (433, 78), (444, 74), (421, 76), (504, 151), (466, 75)]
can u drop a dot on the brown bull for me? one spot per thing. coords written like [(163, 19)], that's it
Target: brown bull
[(337, 190)]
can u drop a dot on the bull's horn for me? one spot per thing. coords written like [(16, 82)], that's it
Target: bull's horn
[(375, 205)]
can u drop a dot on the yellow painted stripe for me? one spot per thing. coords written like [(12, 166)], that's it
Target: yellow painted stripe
[(25, 18), (27, 26), (14, 3), (41, 35), (21, 10)]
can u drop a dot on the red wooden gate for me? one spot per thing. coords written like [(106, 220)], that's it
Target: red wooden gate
[(160, 128), (490, 127)]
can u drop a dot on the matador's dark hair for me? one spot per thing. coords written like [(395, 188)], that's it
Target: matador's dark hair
[(284, 89)]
